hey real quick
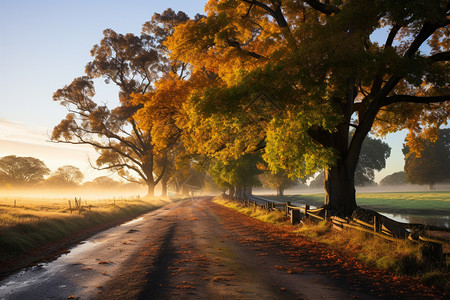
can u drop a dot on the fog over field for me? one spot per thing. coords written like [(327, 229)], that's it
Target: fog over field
[(359, 189), (84, 193)]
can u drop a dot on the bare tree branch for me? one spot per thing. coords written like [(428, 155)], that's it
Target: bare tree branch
[(443, 56), (326, 9), (415, 99)]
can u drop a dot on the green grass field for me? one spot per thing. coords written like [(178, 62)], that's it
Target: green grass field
[(400, 202), (27, 223), (431, 208)]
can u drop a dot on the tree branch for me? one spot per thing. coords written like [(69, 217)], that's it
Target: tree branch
[(415, 99), (236, 45), (443, 56), (326, 9), (391, 36), (426, 31), (82, 141), (121, 166), (262, 5)]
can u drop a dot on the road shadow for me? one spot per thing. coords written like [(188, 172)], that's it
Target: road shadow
[(158, 276)]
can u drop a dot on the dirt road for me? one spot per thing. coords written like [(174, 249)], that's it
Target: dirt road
[(195, 249)]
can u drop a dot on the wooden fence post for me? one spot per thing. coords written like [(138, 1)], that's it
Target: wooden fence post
[(288, 203), (70, 206), (306, 211), (375, 223), (295, 216)]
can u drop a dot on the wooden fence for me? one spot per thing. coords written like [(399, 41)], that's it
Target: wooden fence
[(381, 226)]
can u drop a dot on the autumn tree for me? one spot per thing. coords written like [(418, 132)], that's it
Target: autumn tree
[(132, 63), (433, 164), (66, 176), (16, 170), (316, 68)]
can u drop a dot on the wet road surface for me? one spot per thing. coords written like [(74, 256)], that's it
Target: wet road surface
[(196, 249)]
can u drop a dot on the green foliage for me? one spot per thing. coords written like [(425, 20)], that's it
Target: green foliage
[(291, 149), (236, 173), (292, 78)]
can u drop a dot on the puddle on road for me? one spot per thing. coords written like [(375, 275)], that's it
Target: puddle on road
[(133, 221), (63, 271)]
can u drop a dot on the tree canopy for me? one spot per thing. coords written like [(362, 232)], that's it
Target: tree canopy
[(127, 142), (66, 176), (239, 176), (16, 170), (432, 165), (293, 77), (397, 178)]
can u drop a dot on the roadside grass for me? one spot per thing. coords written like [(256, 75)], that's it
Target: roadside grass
[(32, 223), (273, 217), (400, 257)]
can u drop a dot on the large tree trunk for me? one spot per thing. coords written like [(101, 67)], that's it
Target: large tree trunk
[(164, 182), (340, 189), (239, 192), (280, 191), (150, 189), (248, 191)]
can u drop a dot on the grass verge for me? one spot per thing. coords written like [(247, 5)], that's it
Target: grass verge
[(35, 223), (399, 257)]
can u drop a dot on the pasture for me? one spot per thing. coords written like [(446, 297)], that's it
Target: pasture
[(393, 202), (29, 223), (414, 207)]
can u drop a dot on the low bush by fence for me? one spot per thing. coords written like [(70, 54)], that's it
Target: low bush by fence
[(378, 225)]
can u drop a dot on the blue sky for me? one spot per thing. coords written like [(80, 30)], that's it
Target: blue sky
[(45, 44)]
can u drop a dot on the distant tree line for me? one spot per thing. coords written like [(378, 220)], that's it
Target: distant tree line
[(16, 171), (24, 172), (29, 171)]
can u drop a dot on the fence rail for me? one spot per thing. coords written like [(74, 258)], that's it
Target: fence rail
[(380, 226)]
